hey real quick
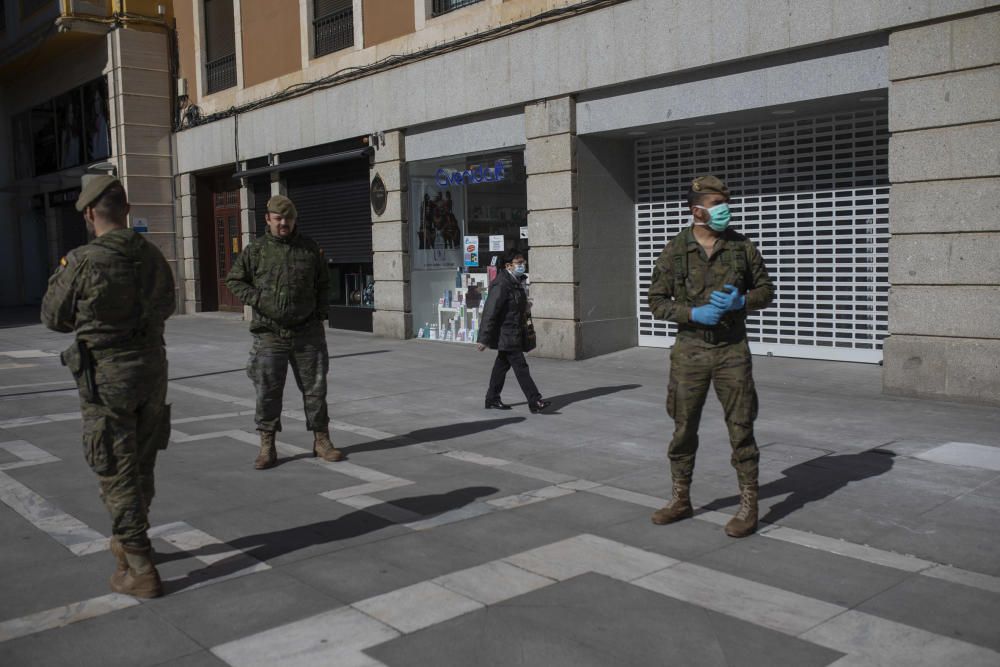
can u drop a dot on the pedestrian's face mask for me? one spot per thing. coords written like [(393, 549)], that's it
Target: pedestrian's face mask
[(718, 216)]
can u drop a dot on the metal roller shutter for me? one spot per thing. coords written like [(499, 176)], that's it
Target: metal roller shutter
[(334, 210), (813, 194)]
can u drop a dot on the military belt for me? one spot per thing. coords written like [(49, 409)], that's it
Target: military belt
[(713, 336)]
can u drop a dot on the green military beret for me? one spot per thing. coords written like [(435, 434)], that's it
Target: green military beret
[(705, 185), (281, 205), (93, 186)]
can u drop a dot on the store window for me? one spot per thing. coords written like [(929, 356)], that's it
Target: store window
[(467, 212), (63, 132)]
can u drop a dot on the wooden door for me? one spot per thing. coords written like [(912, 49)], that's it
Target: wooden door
[(228, 242)]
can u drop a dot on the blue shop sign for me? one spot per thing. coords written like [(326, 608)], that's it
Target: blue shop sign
[(471, 176)]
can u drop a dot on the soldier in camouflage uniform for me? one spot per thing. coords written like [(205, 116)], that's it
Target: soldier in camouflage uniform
[(283, 277), (706, 280), (115, 293)]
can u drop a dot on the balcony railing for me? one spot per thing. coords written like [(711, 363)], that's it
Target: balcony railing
[(334, 32), (444, 6), (220, 74)]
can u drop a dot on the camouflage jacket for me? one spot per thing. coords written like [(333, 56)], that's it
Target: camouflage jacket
[(285, 281), (115, 293), (684, 277)]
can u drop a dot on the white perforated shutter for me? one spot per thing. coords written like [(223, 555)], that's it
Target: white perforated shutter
[(813, 194)]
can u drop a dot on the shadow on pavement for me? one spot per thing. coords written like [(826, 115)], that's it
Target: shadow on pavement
[(563, 400), (266, 546), (815, 480), (243, 369), (433, 434)]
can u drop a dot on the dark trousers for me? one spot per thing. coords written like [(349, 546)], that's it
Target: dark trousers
[(505, 361)]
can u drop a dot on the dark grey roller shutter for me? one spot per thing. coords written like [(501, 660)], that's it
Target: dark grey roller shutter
[(333, 209)]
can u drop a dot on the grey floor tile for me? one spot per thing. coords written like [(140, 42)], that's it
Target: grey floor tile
[(199, 659), (132, 637), (47, 585), (684, 540), (941, 607), (581, 511), (598, 621), (810, 572), (240, 607)]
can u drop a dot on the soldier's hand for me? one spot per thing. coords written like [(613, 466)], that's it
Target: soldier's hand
[(480, 347), (731, 299), (707, 315)]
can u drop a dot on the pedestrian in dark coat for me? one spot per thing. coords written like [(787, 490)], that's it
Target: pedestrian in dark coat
[(503, 328)]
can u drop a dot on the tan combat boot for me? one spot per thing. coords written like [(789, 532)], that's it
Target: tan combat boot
[(323, 447), (679, 506), (745, 521), (119, 553), (140, 578), (268, 457)]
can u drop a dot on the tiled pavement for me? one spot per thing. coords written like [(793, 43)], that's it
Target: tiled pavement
[(455, 536)]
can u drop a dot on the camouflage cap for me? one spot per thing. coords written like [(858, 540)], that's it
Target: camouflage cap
[(706, 185), (93, 186), (281, 205)]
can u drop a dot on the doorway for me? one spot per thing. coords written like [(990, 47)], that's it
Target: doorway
[(220, 240)]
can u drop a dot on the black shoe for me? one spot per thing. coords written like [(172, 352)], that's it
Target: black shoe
[(497, 404), (539, 406)]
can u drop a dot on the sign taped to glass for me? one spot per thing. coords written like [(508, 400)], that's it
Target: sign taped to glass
[(471, 176)]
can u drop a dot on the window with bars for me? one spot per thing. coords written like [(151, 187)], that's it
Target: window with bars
[(444, 6), (813, 195), (220, 45), (333, 26)]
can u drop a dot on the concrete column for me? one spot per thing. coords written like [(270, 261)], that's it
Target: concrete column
[(944, 255), (139, 88), (390, 241), (187, 213), (550, 160), (606, 291)]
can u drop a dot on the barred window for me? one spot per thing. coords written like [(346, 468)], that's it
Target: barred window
[(333, 26)]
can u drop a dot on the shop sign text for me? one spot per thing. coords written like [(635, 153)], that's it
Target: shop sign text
[(471, 176)]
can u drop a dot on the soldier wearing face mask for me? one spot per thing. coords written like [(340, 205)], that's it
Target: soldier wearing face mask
[(706, 281)]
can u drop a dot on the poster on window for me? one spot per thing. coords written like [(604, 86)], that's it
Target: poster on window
[(43, 138), (96, 128), (470, 247), (24, 166), (69, 121), (440, 224)]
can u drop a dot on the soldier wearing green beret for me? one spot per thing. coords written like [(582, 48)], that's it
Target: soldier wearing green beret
[(706, 280), (282, 275), (115, 293)]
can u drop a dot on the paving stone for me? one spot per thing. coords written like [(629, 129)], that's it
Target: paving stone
[(233, 609), (666, 632), (941, 607), (99, 642), (811, 572)]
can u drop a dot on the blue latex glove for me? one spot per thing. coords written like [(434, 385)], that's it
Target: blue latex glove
[(708, 315), (728, 300)]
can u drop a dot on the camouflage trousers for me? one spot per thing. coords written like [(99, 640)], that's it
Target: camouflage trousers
[(124, 427), (270, 357), (694, 365)]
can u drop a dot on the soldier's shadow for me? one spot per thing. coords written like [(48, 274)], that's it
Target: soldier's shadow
[(262, 547), (814, 480), (434, 434), (563, 400)]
